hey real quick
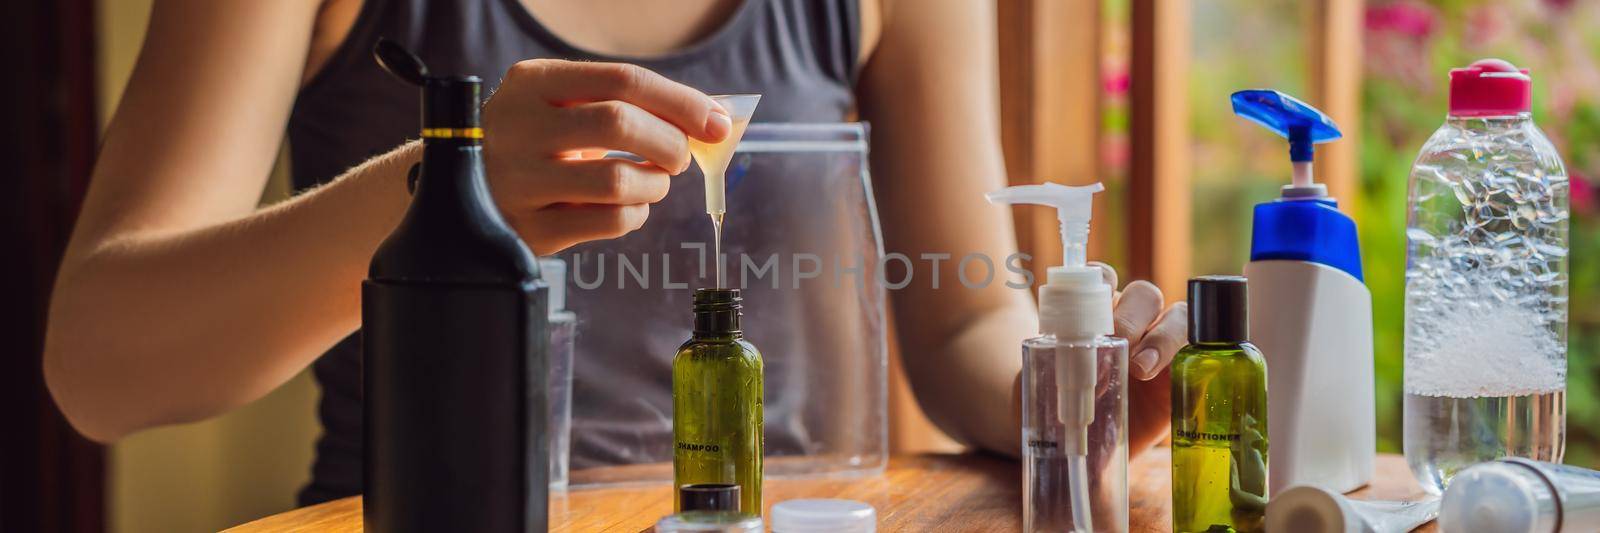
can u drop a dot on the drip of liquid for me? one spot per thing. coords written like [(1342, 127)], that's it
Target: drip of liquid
[(716, 229)]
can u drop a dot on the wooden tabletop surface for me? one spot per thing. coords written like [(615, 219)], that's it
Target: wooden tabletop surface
[(916, 493)]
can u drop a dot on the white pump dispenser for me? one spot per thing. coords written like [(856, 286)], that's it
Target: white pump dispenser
[(1074, 308), (1075, 301)]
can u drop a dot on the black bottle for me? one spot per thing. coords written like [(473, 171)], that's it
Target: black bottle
[(454, 338)]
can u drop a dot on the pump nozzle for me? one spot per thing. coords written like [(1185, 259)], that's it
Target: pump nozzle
[(1303, 125), (1073, 209)]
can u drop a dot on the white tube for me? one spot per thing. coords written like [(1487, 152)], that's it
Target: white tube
[(1520, 495), (1310, 509), (1076, 374), (1303, 176), (1078, 476)]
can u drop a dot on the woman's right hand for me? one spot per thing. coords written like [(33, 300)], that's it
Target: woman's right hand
[(547, 125)]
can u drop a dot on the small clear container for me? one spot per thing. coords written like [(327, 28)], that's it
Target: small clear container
[(1047, 499), (709, 521), (824, 516), (563, 333)]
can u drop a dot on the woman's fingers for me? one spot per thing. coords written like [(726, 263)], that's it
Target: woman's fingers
[(565, 83), (558, 227), (1136, 308), (1154, 352), (615, 125), (602, 181), (551, 119)]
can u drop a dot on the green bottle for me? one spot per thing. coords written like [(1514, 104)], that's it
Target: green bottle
[(1219, 415), (716, 402)]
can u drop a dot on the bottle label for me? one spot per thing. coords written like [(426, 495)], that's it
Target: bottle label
[(699, 447), (1201, 435), (1043, 445)]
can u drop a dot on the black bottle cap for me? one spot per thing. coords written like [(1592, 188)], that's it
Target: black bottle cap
[(451, 102), (1218, 310), (708, 497), (716, 311)]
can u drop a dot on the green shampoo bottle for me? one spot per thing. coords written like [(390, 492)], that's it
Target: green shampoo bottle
[(1219, 415), (716, 402)]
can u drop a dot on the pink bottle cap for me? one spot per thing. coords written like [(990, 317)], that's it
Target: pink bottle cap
[(1490, 87)]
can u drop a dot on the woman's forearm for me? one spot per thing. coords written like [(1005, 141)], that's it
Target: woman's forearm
[(156, 328), (965, 381)]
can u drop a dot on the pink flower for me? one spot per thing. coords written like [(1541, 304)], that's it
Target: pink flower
[(1583, 200), (1558, 4), (1115, 80), (1397, 43), (1403, 18)]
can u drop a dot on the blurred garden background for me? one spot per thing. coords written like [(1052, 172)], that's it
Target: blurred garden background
[(1408, 48)]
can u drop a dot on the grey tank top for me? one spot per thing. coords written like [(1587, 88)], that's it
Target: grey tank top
[(800, 54)]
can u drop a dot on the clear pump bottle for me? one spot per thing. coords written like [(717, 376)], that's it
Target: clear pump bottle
[(1074, 385)]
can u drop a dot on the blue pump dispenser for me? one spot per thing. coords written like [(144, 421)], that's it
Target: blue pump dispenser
[(1304, 225), (1310, 313), (1288, 117)]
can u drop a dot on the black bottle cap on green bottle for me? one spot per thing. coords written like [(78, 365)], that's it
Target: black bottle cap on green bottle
[(1218, 310), (716, 311), (708, 497)]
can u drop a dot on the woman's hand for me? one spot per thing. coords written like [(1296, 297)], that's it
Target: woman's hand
[(550, 121)]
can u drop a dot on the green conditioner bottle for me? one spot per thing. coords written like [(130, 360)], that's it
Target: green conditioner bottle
[(1219, 415)]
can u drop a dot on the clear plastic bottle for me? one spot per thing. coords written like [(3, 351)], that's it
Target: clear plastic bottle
[(1047, 502), (1486, 283), (1074, 383)]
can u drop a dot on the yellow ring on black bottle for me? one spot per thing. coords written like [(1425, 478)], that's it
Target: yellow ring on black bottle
[(452, 133)]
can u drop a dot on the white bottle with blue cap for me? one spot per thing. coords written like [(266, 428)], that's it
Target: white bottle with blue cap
[(1310, 313)]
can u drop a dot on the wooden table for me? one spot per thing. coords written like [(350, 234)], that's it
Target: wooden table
[(916, 493)]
